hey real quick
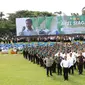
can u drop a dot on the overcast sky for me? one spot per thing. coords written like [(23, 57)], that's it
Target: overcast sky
[(66, 6)]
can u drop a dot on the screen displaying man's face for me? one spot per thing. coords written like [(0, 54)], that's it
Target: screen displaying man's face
[(28, 24)]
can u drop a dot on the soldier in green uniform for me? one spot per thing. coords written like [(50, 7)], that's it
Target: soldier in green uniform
[(24, 52)]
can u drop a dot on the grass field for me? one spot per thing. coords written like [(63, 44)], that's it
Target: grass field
[(15, 70)]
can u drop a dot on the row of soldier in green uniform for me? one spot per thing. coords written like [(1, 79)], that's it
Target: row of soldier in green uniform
[(45, 57)]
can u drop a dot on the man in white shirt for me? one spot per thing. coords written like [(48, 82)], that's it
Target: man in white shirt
[(28, 31), (71, 61), (48, 62), (61, 54), (65, 65), (74, 55)]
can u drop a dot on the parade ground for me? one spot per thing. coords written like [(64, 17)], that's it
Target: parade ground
[(15, 70)]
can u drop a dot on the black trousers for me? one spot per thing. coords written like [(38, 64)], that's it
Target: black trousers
[(71, 70), (65, 73), (26, 54), (54, 67), (37, 60), (80, 68), (75, 66), (34, 58), (41, 62), (59, 69), (84, 64), (29, 57), (49, 70)]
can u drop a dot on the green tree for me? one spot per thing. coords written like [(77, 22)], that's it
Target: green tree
[(26, 13), (1, 15), (10, 23)]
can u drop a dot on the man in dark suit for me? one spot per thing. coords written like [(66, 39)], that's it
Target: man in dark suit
[(80, 63), (58, 61)]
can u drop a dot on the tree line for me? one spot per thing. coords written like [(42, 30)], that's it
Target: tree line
[(9, 24)]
